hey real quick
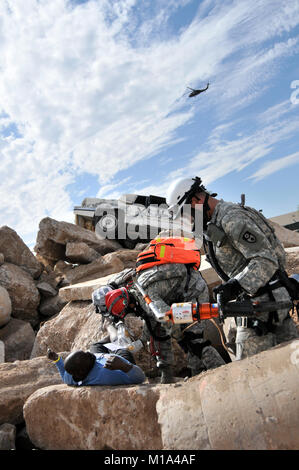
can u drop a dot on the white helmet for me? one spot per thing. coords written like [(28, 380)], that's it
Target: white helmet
[(98, 298), (182, 191)]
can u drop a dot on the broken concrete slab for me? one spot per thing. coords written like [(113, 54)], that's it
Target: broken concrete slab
[(99, 267), (82, 290), (22, 291), (5, 307), (19, 379), (245, 405), (46, 289), (54, 235), (18, 338), (2, 352), (7, 436), (289, 238), (80, 253), (16, 252), (50, 306)]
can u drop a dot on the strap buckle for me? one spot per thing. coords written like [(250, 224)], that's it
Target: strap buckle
[(242, 321)]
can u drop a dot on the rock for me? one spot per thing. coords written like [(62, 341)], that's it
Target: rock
[(51, 306), (80, 253), (125, 418), (7, 436), (210, 276), (141, 246), (245, 405), (22, 440), (78, 326), (98, 268), (5, 307), (127, 257), (47, 263), (292, 260), (62, 267), (23, 294), (52, 278), (213, 334), (2, 352), (18, 380), (287, 237), (16, 252), (48, 250), (1, 258), (53, 237), (143, 357), (292, 267), (262, 420), (18, 338), (82, 290), (46, 289)]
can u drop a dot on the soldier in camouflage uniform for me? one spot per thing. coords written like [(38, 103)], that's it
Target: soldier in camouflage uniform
[(244, 250), (167, 284)]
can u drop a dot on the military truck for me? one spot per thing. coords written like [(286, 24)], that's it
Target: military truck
[(136, 217)]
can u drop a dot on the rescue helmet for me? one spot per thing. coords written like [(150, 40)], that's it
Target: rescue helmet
[(181, 192), (98, 298), (117, 302)]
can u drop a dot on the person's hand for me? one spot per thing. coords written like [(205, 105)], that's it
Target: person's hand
[(116, 363), (229, 290), (52, 355)]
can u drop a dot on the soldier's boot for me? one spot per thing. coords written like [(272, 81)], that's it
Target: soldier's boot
[(167, 375)]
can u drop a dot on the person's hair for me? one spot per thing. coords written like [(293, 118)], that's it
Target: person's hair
[(79, 364)]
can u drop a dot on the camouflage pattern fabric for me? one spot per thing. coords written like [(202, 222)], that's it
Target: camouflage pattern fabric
[(249, 251), (165, 285)]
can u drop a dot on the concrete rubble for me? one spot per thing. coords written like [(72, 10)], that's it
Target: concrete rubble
[(45, 301), (7, 436), (206, 412)]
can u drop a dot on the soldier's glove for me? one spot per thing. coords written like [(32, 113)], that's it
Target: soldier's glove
[(229, 290)]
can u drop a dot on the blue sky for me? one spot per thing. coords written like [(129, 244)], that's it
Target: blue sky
[(93, 102)]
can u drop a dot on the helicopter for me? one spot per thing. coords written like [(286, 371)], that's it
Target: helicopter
[(195, 92)]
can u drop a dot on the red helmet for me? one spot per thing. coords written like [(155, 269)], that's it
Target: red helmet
[(117, 301)]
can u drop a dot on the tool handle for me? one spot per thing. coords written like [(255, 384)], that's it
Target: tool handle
[(206, 311)]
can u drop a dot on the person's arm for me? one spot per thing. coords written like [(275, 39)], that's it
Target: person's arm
[(251, 242), (134, 373), (119, 279), (57, 360)]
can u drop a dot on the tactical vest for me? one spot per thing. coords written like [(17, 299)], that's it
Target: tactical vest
[(169, 250), (215, 235)]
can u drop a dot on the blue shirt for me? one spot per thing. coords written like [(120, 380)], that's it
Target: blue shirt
[(99, 375)]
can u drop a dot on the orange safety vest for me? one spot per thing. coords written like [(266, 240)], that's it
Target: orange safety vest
[(169, 250)]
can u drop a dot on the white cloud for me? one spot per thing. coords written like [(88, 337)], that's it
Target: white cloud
[(275, 165), (225, 154)]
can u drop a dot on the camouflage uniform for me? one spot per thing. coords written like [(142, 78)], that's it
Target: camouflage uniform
[(247, 249), (165, 285)]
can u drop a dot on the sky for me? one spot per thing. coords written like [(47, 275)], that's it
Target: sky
[(94, 103)]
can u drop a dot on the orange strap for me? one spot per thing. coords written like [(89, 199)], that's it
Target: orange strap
[(169, 250)]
